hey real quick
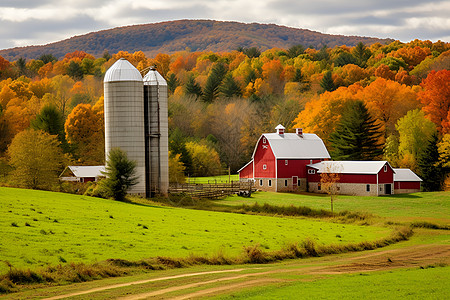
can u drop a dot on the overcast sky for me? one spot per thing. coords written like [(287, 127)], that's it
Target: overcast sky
[(36, 22)]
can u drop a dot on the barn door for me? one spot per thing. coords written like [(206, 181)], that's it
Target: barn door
[(294, 182), (388, 189)]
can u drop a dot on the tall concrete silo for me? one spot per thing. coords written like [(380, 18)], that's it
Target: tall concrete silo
[(124, 116), (156, 133)]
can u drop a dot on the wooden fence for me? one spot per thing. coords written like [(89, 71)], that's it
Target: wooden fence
[(212, 190)]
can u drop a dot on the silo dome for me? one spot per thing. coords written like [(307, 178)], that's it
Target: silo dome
[(154, 78), (122, 70)]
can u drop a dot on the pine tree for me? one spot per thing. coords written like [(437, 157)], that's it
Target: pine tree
[(120, 174), (356, 136), (362, 54), (229, 87), (192, 88), (298, 77), (172, 83), (327, 82), (430, 169), (211, 90)]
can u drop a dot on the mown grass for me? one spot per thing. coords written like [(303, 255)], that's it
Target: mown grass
[(213, 179), (434, 205), (64, 228), (428, 282), (81, 272)]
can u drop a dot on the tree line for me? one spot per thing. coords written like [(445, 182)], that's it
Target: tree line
[(220, 103)]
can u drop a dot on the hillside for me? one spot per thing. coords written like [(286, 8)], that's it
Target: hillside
[(197, 35)]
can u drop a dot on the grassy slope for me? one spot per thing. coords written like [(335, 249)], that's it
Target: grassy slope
[(64, 227), (434, 206)]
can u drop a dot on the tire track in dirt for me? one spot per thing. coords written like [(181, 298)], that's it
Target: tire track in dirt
[(366, 262)]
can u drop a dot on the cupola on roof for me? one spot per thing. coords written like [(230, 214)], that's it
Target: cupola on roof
[(122, 70)]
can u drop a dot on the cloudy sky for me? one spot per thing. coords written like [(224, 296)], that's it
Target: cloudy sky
[(34, 22)]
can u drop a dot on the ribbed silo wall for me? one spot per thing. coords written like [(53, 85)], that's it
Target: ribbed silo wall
[(124, 119), (157, 138)]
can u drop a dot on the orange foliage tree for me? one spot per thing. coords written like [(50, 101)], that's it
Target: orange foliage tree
[(436, 98)]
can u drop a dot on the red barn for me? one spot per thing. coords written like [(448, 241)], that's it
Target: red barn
[(279, 160), (406, 181), (362, 178)]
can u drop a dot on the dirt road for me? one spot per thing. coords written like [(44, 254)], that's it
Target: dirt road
[(201, 284)]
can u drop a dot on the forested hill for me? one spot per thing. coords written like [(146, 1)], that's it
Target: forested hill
[(197, 35)]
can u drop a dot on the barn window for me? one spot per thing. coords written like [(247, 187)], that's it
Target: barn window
[(264, 167), (270, 182), (285, 182), (286, 162), (311, 171), (385, 168), (264, 140), (368, 188), (260, 182), (319, 186)]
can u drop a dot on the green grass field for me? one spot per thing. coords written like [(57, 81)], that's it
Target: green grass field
[(416, 283), (434, 206), (40, 228), (213, 179)]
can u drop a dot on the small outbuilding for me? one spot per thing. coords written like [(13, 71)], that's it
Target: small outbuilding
[(406, 181), (361, 178), (82, 173)]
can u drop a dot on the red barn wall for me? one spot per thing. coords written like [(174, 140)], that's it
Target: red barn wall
[(407, 185), (295, 167), (247, 172), (386, 177), (264, 156)]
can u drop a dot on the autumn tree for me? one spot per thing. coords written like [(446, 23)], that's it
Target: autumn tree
[(357, 136), (84, 131), (176, 169), (37, 159), (361, 54), (205, 159), (436, 99), (172, 82), (415, 130), (329, 180)]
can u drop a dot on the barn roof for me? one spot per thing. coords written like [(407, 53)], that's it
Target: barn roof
[(294, 146), (87, 171), (405, 175), (349, 167)]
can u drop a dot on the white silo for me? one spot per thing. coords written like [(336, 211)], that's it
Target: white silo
[(156, 133), (124, 116)]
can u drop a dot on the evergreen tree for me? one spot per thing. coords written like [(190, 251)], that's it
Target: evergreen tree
[(356, 136), (298, 77), (362, 54), (345, 58), (75, 70), (430, 169), (172, 82), (192, 88), (327, 82), (295, 51), (229, 87), (120, 174), (211, 90)]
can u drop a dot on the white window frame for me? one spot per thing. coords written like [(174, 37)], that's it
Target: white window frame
[(264, 167), (367, 187), (261, 182), (311, 171), (385, 168), (285, 182), (264, 140), (270, 182)]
